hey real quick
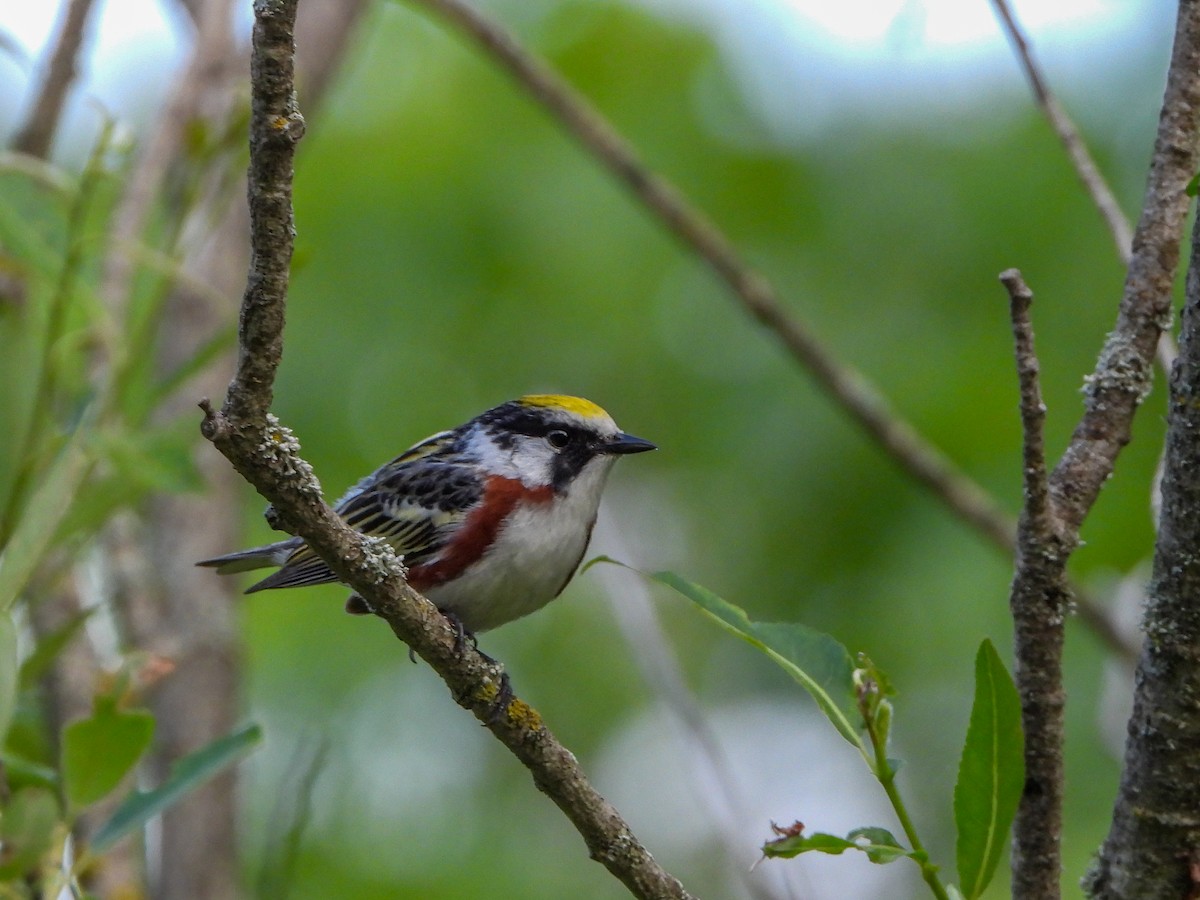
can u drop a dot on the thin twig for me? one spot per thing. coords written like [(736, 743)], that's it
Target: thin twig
[(37, 134), (1081, 159), (1038, 601), (1072, 141), (1033, 411), (266, 454), (848, 387)]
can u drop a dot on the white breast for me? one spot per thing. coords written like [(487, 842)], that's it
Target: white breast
[(534, 556)]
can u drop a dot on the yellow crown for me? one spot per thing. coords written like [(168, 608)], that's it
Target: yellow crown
[(576, 405)]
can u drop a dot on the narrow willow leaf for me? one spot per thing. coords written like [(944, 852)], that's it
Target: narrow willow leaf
[(21, 771), (990, 774), (877, 843), (189, 773), (101, 750), (818, 662), (880, 845), (39, 520), (8, 672)]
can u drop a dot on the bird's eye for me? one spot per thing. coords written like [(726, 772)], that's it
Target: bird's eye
[(558, 439)]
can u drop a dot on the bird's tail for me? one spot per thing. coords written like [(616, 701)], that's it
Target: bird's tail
[(255, 558)]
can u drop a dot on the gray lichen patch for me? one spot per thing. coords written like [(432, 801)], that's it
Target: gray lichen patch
[(281, 449), (380, 560)]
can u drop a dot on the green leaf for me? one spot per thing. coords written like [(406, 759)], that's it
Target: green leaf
[(818, 662), (99, 751), (881, 846), (190, 772), (26, 830), (990, 774), (39, 520), (877, 843), (8, 672), (23, 771), (1193, 186)]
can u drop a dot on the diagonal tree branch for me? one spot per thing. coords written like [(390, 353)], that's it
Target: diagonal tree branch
[(1068, 135), (36, 136), (1081, 158), (848, 388), (266, 454)]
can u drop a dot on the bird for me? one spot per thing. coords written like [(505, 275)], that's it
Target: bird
[(492, 518)]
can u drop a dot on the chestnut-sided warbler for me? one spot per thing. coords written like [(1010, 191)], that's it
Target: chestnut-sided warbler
[(492, 518)]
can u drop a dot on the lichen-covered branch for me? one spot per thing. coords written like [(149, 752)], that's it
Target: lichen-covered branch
[(1153, 845), (267, 455)]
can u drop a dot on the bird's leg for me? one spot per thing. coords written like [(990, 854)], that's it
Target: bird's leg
[(504, 693), (461, 635), (504, 696)]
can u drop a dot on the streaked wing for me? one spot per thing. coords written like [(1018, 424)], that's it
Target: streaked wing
[(415, 503)]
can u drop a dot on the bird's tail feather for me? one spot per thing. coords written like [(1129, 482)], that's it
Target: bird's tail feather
[(254, 558)]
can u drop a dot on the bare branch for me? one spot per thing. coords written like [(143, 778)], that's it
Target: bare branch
[(37, 134), (849, 388), (266, 454), (1038, 602)]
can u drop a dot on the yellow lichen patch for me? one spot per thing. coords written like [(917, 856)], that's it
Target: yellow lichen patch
[(576, 405), (518, 712), (524, 716)]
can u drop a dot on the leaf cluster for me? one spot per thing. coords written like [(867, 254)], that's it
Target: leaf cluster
[(85, 441)]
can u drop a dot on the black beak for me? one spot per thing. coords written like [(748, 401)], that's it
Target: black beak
[(627, 443)]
